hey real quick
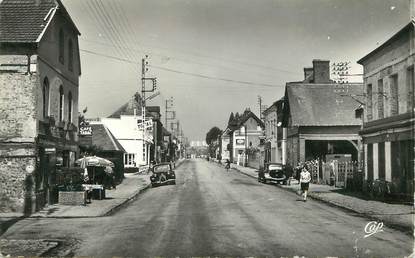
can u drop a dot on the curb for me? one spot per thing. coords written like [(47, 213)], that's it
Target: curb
[(126, 201), (407, 228)]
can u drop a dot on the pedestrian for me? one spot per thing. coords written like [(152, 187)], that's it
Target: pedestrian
[(305, 178), (228, 165)]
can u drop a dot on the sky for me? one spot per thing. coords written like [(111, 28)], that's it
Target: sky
[(217, 56)]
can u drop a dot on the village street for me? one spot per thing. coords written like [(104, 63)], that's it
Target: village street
[(212, 212)]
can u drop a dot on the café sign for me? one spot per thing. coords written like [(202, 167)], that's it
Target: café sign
[(85, 130)]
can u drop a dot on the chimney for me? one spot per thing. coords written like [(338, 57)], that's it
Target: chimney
[(307, 72), (321, 69)]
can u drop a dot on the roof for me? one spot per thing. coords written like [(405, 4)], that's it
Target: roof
[(128, 108), (323, 104), (24, 21), (104, 139), (238, 122), (408, 26)]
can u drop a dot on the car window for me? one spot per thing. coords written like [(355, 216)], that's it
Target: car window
[(161, 168)]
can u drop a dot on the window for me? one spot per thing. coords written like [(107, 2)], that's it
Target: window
[(410, 88), (369, 101), (70, 55), (129, 159), (144, 152), (61, 102), (394, 102), (45, 97), (61, 46), (380, 99), (70, 104), (381, 160)]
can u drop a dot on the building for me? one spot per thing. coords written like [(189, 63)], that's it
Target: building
[(319, 115), (388, 129), (39, 81), (108, 147), (124, 125), (274, 148), (244, 134)]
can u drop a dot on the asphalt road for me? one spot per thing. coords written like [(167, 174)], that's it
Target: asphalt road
[(211, 212)]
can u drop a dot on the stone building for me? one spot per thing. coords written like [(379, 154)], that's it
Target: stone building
[(388, 129), (39, 85), (319, 115)]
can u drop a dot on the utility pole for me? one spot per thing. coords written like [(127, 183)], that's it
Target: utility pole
[(144, 69), (169, 105)]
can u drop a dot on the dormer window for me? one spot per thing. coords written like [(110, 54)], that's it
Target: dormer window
[(61, 46)]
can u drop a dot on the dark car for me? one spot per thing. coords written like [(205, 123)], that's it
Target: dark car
[(163, 174), (273, 173)]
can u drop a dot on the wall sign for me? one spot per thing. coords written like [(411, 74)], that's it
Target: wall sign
[(240, 141), (85, 130)]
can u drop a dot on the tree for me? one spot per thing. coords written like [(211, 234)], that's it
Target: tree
[(212, 135), (231, 118), (211, 138)]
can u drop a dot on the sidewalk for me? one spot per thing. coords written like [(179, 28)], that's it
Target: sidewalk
[(396, 215)]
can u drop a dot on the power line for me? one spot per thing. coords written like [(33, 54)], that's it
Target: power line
[(181, 72), (214, 78)]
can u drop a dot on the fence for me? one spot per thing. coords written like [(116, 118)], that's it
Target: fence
[(344, 174)]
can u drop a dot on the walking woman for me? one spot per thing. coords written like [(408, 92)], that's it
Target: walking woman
[(305, 178)]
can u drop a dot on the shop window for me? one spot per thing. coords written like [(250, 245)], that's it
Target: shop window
[(45, 97), (370, 162), (394, 101), (61, 46), (70, 55), (129, 159), (70, 104), (381, 160), (61, 102)]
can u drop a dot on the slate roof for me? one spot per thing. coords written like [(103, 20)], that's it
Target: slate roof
[(128, 108), (23, 21), (237, 123), (323, 104), (104, 139)]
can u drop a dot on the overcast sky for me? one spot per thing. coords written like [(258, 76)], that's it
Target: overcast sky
[(251, 47)]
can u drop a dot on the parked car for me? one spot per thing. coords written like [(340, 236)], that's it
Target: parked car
[(162, 174), (273, 173)]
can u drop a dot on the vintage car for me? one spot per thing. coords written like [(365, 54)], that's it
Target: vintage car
[(162, 174), (273, 173)]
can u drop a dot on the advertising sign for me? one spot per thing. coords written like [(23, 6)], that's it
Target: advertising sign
[(240, 141), (85, 130)]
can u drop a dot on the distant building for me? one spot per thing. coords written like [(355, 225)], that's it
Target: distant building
[(274, 146), (39, 82), (388, 129), (244, 134), (124, 125), (319, 115)]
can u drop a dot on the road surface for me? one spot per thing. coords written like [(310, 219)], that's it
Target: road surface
[(211, 212)]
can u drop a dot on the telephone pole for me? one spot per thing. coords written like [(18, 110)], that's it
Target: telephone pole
[(169, 105)]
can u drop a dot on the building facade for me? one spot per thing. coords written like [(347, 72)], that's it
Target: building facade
[(388, 129), (274, 148), (319, 116), (244, 133), (39, 82)]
